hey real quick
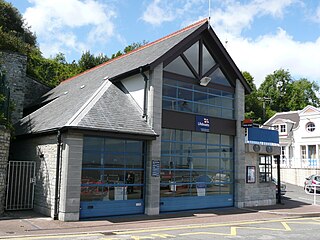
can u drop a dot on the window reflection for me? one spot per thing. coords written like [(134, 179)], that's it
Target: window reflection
[(112, 169), (195, 163), (185, 97)]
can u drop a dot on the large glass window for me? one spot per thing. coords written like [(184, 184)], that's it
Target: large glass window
[(112, 169), (194, 161), (185, 97)]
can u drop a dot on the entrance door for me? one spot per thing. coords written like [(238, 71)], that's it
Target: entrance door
[(196, 170), (112, 177)]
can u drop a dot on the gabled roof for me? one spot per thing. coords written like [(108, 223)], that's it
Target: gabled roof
[(292, 116), (76, 101)]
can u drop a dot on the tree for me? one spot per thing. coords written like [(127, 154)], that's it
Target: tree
[(253, 108), (302, 93), (275, 87), (286, 94), (88, 60), (11, 22)]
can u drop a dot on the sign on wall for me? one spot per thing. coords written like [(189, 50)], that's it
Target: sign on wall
[(155, 171), (202, 124)]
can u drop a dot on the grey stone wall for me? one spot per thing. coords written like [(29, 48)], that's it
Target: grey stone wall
[(71, 177), (15, 66), (43, 150), (4, 154), (154, 147), (33, 91), (239, 156), (258, 194)]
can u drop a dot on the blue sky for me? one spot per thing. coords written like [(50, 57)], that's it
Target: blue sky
[(260, 35)]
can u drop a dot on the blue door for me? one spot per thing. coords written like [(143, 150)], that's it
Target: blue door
[(112, 181)]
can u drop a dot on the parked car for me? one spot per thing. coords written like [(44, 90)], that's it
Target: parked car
[(311, 182), (283, 186)]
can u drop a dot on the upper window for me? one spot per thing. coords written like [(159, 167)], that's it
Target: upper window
[(310, 126), (185, 97), (283, 128), (197, 62)]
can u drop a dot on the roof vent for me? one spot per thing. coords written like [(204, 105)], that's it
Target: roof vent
[(66, 92), (106, 78), (82, 86)]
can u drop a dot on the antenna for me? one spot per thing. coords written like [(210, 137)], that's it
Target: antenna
[(209, 11)]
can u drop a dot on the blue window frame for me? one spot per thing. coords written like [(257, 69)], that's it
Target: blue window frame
[(193, 161), (112, 169)]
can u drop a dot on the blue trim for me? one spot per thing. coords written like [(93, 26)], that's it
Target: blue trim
[(196, 202), (111, 208)]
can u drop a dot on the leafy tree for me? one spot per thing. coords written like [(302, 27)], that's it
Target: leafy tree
[(253, 108), (303, 93), (275, 87), (88, 60), (286, 94), (134, 46), (11, 22)]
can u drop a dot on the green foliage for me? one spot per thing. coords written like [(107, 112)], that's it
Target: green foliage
[(6, 106), (88, 60), (12, 23), (51, 71), (253, 107), (279, 93)]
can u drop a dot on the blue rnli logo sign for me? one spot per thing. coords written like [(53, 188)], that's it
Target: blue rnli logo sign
[(202, 124)]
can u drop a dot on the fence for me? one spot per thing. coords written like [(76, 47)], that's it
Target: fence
[(20, 185)]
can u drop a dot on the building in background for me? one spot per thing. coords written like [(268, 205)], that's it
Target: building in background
[(299, 137)]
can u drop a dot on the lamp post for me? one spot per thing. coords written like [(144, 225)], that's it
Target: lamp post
[(264, 100)]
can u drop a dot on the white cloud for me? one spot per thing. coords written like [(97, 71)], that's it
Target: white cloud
[(160, 11), (268, 53), (55, 23), (234, 16)]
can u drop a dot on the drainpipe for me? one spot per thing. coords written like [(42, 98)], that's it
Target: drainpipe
[(56, 193), (145, 78)]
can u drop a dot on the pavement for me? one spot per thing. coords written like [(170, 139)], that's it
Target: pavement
[(29, 223)]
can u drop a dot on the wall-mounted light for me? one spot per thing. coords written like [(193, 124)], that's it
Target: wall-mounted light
[(205, 81)]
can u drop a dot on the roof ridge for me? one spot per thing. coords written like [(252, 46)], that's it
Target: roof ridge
[(140, 48)]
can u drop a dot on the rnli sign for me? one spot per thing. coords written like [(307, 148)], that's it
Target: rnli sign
[(202, 124)]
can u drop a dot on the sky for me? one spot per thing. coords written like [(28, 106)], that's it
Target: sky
[(260, 35)]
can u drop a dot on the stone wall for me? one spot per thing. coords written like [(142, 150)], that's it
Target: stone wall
[(43, 150), (14, 66), (258, 194), (295, 176), (33, 91), (4, 154)]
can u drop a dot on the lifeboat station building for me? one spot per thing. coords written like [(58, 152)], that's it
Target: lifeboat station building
[(152, 131)]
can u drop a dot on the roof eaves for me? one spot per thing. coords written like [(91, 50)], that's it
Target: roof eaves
[(138, 49)]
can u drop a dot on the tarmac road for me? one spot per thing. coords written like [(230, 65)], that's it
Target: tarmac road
[(296, 218)]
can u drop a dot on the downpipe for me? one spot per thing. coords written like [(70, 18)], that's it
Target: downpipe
[(145, 106), (56, 193)]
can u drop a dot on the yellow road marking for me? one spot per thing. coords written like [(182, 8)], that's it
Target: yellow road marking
[(162, 235), (206, 226)]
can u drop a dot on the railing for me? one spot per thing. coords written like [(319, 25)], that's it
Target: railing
[(298, 163)]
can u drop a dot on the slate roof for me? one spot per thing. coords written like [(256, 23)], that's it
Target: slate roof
[(67, 104), (292, 116)]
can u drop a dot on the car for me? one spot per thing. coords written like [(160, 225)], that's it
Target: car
[(283, 186), (311, 182)]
